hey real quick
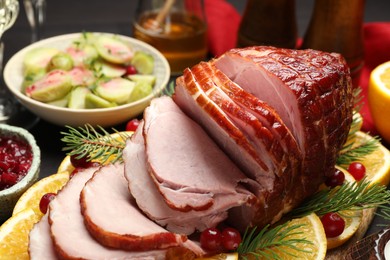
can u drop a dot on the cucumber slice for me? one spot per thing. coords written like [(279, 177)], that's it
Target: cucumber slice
[(149, 79), (112, 49), (38, 59), (143, 62), (77, 97), (109, 70), (94, 101), (62, 61), (141, 90), (63, 102), (55, 85), (116, 90)]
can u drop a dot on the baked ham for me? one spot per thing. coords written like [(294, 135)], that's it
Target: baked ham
[(310, 90), (240, 97), (261, 125)]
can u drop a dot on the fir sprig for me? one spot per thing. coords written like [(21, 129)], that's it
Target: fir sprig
[(349, 196), (263, 244), (88, 142), (351, 153)]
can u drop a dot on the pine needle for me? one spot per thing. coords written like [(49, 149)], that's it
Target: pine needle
[(263, 244), (349, 154), (349, 196), (88, 142)]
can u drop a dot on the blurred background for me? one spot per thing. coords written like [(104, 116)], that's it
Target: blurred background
[(116, 16)]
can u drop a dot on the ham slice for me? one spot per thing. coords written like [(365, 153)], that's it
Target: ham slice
[(310, 90), (113, 219), (195, 174), (152, 203), (70, 236), (40, 243)]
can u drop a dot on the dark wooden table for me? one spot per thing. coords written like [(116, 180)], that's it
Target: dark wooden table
[(115, 17)]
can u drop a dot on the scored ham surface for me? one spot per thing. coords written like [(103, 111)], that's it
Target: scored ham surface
[(110, 212), (310, 90)]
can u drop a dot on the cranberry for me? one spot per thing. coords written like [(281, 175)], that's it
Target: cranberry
[(132, 125), (78, 162), (333, 224), (231, 239), (15, 161), (131, 70), (336, 179), (210, 239), (87, 165), (357, 170), (45, 200)]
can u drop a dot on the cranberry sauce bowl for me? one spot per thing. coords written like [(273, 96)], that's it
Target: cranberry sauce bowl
[(20, 159)]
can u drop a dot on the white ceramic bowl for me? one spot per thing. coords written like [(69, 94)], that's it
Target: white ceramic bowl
[(10, 196), (13, 76)]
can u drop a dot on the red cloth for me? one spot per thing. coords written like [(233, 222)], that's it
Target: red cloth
[(377, 51), (223, 24), (223, 21)]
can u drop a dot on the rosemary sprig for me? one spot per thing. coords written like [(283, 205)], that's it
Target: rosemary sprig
[(349, 196), (350, 153), (263, 244), (88, 142)]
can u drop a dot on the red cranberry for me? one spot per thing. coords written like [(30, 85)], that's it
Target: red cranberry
[(231, 239), (336, 179), (78, 162), (131, 70), (357, 170), (132, 125), (333, 224), (45, 200), (210, 239), (15, 161)]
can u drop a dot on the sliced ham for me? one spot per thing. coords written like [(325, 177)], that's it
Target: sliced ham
[(257, 120), (196, 104), (189, 169), (152, 203), (40, 244), (70, 236), (310, 90), (113, 219)]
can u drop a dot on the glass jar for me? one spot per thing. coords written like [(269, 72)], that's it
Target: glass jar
[(177, 28)]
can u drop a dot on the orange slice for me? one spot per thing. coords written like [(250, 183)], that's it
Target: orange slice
[(30, 198), (14, 235), (379, 99)]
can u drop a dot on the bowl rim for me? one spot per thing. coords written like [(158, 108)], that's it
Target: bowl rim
[(18, 55), (33, 172)]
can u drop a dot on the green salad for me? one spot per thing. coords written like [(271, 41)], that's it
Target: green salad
[(95, 71)]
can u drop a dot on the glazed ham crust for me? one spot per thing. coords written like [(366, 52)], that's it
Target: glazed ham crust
[(311, 91)]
